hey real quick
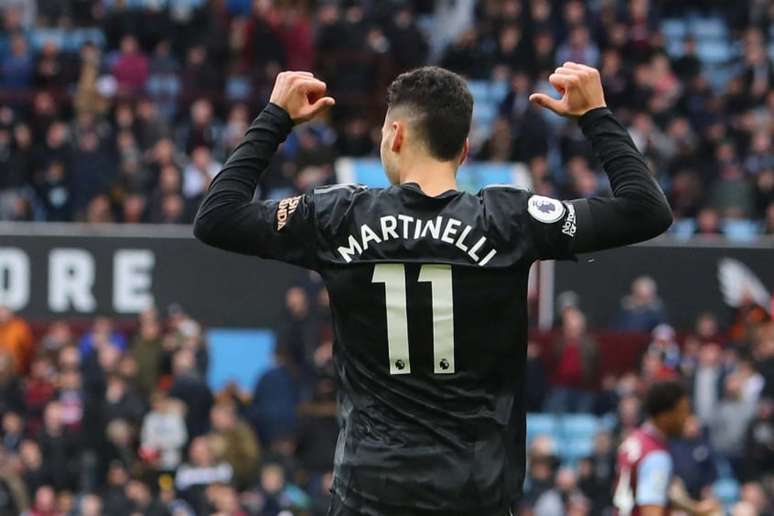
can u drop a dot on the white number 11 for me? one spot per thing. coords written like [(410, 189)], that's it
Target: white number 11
[(440, 278)]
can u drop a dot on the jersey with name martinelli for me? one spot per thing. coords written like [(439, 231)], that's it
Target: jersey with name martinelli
[(428, 296)]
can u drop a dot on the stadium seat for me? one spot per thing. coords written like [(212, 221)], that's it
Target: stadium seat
[(714, 51), (708, 28), (578, 426), (607, 422), (67, 40), (674, 29), (683, 228), (741, 230), (571, 450), (540, 424)]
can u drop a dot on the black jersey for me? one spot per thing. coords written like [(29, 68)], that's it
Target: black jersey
[(428, 297)]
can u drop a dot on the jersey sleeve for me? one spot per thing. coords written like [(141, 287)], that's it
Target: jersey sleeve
[(653, 475), (554, 227), (229, 218)]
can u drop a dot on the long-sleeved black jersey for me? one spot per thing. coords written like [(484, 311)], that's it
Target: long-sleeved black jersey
[(428, 296)]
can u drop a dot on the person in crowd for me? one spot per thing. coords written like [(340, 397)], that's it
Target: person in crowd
[(199, 471), (694, 459), (188, 386), (575, 365), (275, 400), (641, 310), (113, 113), (163, 433), (16, 339), (730, 420), (234, 441)]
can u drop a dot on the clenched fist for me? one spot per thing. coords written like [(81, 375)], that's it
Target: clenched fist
[(580, 87), (301, 95)]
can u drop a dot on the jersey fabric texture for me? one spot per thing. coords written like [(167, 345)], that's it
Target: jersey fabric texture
[(428, 297)]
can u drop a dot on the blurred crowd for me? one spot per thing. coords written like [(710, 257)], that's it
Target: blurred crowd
[(117, 417), (118, 420), (123, 110), (727, 364)]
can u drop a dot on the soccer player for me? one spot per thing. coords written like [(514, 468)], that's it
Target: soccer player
[(428, 284), (645, 486)]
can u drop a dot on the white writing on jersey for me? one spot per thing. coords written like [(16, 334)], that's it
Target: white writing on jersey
[(441, 229)]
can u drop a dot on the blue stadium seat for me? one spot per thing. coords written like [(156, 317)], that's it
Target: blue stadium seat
[(674, 28), (484, 112), (708, 28), (479, 89), (683, 228), (607, 422), (67, 40), (714, 51), (571, 450), (578, 426), (741, 230), (540, 424), (674, 48)]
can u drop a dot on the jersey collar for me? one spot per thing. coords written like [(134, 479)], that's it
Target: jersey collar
[(415, 188)]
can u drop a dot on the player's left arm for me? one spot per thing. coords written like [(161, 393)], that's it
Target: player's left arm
[(228, 218), (638, 209)]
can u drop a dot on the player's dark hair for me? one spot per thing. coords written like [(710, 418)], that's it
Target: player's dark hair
[(442, 103), (663, 396)]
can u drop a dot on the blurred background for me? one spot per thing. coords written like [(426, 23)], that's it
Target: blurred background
[(140, 373)]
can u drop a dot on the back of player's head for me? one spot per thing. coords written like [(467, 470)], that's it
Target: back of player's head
[(663, 396), (440, 105)]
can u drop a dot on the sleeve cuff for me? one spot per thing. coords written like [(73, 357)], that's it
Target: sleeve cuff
[(278, 113), (587, 120)]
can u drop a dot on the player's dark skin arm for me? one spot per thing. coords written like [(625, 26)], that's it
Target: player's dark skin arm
[(638, 209), (227, 217)]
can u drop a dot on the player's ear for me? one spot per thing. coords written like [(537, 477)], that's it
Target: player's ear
[(465, 151), (398, 135)]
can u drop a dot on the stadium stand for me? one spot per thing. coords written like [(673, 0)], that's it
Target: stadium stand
[(123, 110)]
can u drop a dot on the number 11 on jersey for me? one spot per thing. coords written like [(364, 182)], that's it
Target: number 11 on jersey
[(393, 275)]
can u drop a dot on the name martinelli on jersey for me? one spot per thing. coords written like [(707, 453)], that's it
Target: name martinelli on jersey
[(442, 229)]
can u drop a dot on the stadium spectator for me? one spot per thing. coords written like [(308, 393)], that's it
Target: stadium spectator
[(275, 400), (694, 459), (234, 441), (191, 390), (163, 433), (575, 362), (18, 64), (729, 421), (665, 347), (109, 109), (641, 310), (596, 473), (130, 67), (15, 339)]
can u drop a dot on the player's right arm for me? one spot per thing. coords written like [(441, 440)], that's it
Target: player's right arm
[(638, 210)]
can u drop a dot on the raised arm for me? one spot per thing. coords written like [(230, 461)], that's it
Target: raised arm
[(227, 217), (638, 210)]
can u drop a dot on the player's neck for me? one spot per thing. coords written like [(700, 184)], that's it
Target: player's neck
[(652, 427), (433, 177)]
